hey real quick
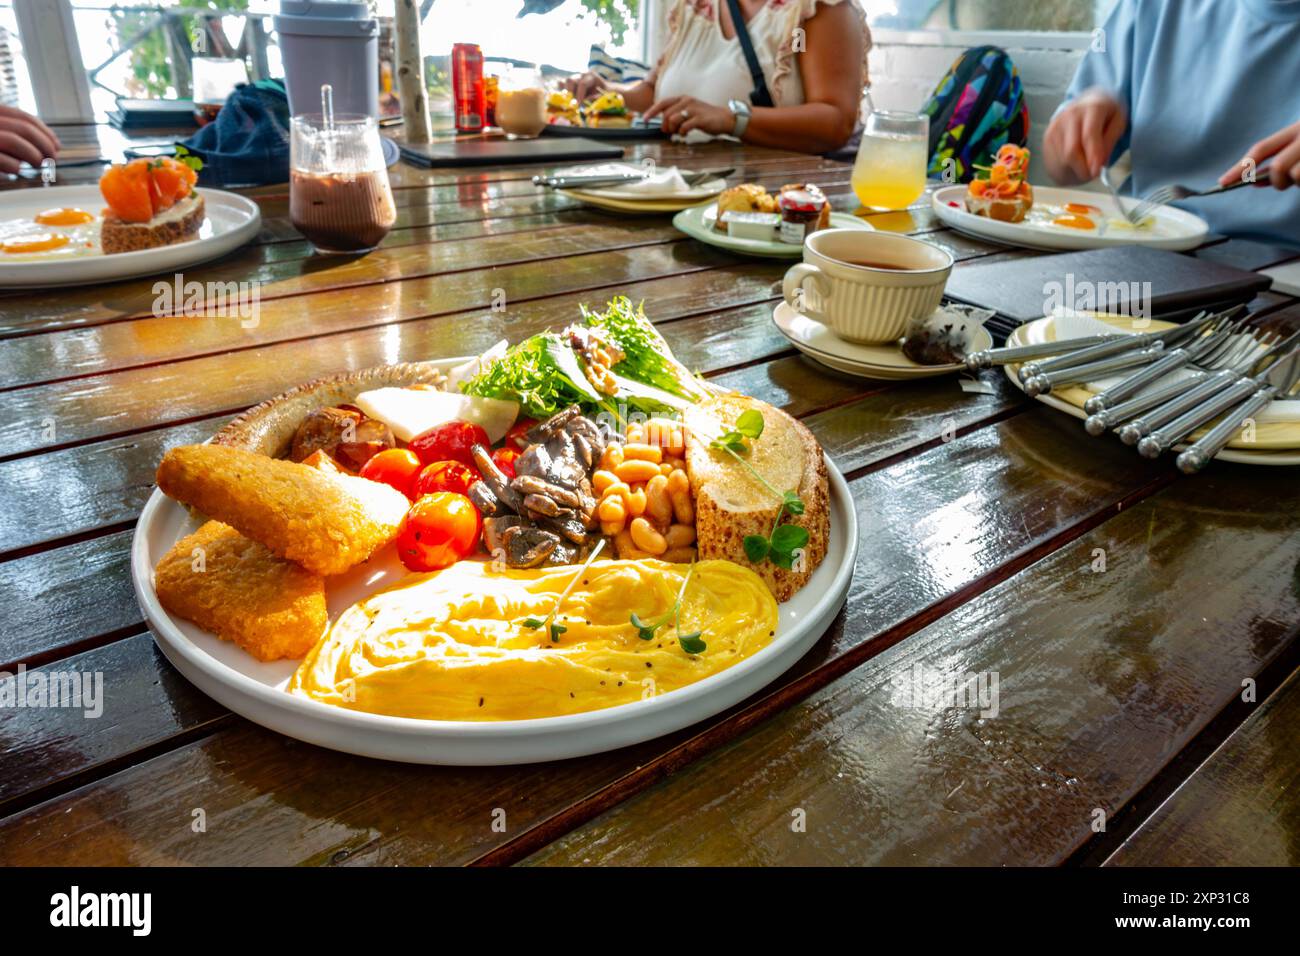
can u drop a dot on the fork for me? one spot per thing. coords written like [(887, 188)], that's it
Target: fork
[(1114, 194), (1164, 195), (1279, 380)]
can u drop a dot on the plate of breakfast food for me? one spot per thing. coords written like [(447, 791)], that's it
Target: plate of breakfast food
[(605, 116), (934, 345), (1001, 205), (562, 546), (750, 220), (144, 217), (1275, 440)]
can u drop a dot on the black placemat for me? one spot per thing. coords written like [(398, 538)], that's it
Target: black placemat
[(497, 150)]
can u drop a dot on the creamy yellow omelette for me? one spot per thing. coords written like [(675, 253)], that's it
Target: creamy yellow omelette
[(452, 645)]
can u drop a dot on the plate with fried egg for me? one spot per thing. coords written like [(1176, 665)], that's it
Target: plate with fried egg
[(55, 236), (1068, 219)]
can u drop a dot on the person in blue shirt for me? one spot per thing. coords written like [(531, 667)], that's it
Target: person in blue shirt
[(1200, 91)]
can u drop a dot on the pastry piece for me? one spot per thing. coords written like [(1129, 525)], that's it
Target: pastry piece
[(730, 503), (327, 523), (747, 197), (242, 592)]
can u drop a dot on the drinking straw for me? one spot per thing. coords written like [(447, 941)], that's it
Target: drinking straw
[(327, 114)]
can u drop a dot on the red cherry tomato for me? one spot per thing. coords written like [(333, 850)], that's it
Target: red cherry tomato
[(397, 467), (449, 441), (438, 531), (444, 476), (504, 458), (515, 437)]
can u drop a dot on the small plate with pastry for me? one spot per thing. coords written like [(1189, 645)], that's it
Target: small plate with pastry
[(144, 217), (1000, 204), (752, 221)]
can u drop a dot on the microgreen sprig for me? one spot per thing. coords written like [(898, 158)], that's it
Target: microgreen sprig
[(783, 542), (691, 642), (555, 628)]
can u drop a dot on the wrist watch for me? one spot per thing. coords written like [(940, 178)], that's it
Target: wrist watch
[(742, 112)]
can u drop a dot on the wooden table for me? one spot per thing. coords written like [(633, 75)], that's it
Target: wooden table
[(986, 520)]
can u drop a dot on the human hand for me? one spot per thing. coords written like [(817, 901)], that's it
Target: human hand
[(584, 85), (681, 114), (1082, 136), (24, 139), (1282, 148)]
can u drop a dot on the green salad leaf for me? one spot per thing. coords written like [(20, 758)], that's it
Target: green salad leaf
[(647, 358), (541, 373)]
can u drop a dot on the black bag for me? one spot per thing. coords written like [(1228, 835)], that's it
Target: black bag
[(760, 95)]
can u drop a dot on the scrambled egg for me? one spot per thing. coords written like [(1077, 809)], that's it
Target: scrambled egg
[(452, 645)]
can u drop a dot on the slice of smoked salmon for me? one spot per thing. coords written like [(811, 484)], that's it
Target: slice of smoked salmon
[(126, 189)]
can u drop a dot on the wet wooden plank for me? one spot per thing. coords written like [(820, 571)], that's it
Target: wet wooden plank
[(1241, 807), (1103, 676)]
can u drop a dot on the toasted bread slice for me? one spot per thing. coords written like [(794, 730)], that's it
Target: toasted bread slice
[(327, 523), (180, 223), (1003, 210), (730, 503), (240, 591)]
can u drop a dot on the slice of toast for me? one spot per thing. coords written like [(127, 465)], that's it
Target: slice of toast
[(730, 503), (180, 223)]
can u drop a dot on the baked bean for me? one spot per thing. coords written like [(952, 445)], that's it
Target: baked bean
[(665, 469), (601, 480), (640, 451), (627, 549), (680, 536), (632, 470), (612, 457), (611, 509), (612, 528), (674, 462), (635, 432), (658, 505), (645, 537), (635, 501), (679, 489), (683, 555)]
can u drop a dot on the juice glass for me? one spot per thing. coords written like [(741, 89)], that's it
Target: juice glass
[(889, 172)]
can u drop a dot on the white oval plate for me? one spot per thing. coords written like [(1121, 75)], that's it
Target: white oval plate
[(1174, 228), (256, 690), (232, 220), (1035, 332), (697, 222), (888, 362)]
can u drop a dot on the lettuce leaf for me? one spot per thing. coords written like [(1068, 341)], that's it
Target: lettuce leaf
[(647, 358)]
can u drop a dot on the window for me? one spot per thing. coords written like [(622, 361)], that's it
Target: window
[(979, 15)]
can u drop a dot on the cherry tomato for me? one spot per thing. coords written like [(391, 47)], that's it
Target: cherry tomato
[(438, 531), (504, 458), (449, 441), (444, 476), (397, 467), (515, 437)]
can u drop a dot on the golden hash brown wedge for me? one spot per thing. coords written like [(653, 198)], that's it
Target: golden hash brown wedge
[(240, 591), (327, 523)]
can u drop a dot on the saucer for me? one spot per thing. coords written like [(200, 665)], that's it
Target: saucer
[(818, 342)]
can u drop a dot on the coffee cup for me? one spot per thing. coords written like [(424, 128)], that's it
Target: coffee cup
[(864, 285)]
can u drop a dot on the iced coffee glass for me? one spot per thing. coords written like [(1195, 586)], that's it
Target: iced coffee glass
[(339, 197)]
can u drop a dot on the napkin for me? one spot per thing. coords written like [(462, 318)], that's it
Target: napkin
[(1073, 325), (663, 183)]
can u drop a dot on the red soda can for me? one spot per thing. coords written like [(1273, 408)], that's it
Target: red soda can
[(467, 87)]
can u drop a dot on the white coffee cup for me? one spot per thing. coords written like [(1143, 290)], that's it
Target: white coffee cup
[(865, 286)]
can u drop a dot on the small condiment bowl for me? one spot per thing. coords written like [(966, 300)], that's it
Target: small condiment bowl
[(866, 286)]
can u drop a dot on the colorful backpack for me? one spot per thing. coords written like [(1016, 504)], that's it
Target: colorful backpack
[(977, 107)]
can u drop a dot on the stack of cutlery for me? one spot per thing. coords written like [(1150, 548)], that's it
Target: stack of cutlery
[(1217, 367)]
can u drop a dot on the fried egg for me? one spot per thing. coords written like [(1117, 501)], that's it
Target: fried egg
[(1084, 218), (60, 233)]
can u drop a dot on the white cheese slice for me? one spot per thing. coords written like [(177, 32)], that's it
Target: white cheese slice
[(410, 411)]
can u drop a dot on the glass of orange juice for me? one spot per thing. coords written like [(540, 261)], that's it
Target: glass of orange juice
[(889, 172)]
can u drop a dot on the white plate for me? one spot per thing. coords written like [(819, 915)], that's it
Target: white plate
[(1174, 228), (705, 190), (818, 342), (1035, 332), (256, 690), (697, 222), (231, 221)]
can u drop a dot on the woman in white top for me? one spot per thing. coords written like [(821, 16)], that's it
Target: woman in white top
[(813, 56)]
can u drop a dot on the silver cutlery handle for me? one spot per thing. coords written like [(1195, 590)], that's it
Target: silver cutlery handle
[(1010, 355), (1162, 439), (1042, 384), (1135, 383), (1084, 356), (1211, 443), (1097, 424), (1138, 428)]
